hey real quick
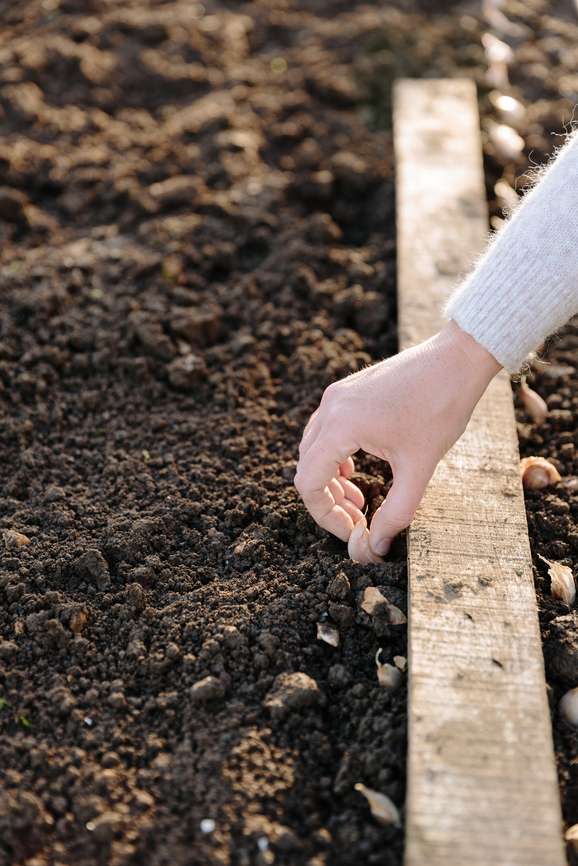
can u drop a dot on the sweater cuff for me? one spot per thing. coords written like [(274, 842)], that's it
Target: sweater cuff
[(525, 286)]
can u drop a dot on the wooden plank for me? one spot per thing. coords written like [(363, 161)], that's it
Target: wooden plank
[(482, 784)]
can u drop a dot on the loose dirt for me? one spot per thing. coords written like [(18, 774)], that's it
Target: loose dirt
[(197, 225)]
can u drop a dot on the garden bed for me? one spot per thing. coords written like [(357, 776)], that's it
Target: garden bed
[(197, 237)]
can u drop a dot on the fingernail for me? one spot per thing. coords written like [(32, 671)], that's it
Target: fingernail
[(383, 546)]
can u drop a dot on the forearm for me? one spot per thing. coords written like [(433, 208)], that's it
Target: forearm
[(526, 285)]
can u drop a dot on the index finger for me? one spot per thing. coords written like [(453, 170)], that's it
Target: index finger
[(315, 472)]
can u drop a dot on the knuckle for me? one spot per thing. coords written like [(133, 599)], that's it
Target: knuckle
[(401, 519), (299, 481)]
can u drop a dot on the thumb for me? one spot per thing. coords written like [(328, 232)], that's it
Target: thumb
[(397, 511)]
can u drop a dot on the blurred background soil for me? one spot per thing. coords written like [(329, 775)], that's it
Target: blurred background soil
[(197, 237)]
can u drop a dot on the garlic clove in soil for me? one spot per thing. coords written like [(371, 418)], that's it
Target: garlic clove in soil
[(358, 545), (569, 707), (571, 835), (562, 585), (537, 472), (327, 634), (372, 598), (533, 404), (381, 806), (388, 676), (372, 604), (14, 539)]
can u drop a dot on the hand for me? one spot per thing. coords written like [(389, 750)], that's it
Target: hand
[(408, 410)]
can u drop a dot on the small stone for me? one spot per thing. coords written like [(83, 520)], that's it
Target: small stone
[(8, 649), (208, 689), (327, 634), (291, 692), (15, 592), (117, 701), (198, 325), (186, 372), (136, 595), (151, 336), (269, 643), (92, 566), (341, 613), (232, 637), (338, 677), (207, 825), (54, 494), (36, 622), (110, 759), (339, 588)]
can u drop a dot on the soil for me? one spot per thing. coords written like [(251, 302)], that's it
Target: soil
[(197, 226)]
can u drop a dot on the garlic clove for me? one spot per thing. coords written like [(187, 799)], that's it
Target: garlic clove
[(372, 598), (372, 604), (533, 404), (562, 585), (571, 835), (327, 634), (569, 707), (381, 806), (14, 539), (358, 545), (396, 616), (538, 472), (389, 677)]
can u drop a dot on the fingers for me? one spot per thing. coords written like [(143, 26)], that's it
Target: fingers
[(352, 492), (333, 501), (358, 545), (397, 511), (348, 468)]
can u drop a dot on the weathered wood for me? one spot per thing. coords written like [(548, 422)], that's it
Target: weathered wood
[(482, 785)]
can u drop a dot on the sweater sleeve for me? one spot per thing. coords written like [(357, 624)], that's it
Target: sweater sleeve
[(526, 284)]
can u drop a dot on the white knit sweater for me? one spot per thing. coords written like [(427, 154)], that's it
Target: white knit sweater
[(526, 284)]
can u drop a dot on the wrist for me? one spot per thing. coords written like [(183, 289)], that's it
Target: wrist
[(478, 364)]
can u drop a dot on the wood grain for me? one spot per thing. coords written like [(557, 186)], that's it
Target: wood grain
[(482, 785)]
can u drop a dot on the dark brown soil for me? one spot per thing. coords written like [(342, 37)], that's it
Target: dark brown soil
[(197, 227), (552, 516)]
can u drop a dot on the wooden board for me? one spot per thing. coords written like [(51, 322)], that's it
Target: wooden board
[(482, 785)]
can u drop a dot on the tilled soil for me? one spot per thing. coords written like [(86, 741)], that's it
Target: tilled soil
[(197, 225), (552, 518)]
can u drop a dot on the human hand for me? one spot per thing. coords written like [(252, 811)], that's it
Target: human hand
[(408, 410)]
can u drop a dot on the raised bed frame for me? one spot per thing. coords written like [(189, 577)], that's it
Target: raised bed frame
[(482, 784)]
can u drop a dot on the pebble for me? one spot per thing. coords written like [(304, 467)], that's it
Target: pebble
[(208, 689), (327, 634), (186, 372), (92, 566), (207, 825), (8, 649), (291, 692), (341, 613), (338, 677)]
